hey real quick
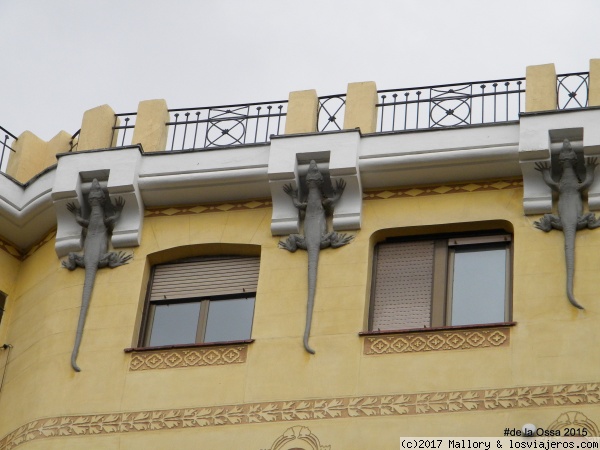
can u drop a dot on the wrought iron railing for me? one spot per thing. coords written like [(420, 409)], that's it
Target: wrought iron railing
[(572, 90), (450, 105), (445, 105), (220, 126), (5, 149), (330, 116), (123, 123), (73, 143)]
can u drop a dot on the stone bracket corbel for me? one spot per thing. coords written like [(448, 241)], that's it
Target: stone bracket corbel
[(117, 170), (289, 154), (540, 135)]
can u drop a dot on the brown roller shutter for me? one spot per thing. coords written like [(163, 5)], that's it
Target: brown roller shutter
[(403, 285), (205, 277)]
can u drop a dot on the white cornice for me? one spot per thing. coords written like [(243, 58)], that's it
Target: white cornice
[(28, 212)]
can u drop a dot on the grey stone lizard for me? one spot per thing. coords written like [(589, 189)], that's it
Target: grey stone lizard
[(315, 236), (570, 206), (95, 252)]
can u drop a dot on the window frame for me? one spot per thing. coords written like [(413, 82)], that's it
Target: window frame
[(445, 245), (148, 313)]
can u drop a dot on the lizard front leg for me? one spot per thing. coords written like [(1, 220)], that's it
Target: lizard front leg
[(293, 193), (340, 185), (117, 207), (77, 213)]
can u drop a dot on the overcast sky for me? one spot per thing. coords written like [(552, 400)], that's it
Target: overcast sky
[(62, 57)]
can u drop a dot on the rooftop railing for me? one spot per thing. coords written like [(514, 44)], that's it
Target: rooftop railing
[(417, 108), (5, 149), (572, 90), (450, 105), (223, 126), (330, 116)]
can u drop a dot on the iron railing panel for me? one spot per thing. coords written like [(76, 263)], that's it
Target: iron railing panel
[(450, 105), (5, 149)]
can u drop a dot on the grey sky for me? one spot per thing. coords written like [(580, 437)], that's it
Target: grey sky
[(62, 57)]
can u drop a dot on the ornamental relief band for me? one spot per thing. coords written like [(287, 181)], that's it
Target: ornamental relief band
[(477, 400), (436, 340)]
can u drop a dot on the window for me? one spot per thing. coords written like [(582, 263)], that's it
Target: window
[(200, 300), (441, 281)]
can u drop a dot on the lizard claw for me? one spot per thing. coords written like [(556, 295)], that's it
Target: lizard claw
[(289, 190), (541, 167), (340, 185), (73, 209), (119, 203)]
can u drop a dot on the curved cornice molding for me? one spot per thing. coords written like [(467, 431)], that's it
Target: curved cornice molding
[(235, 174)]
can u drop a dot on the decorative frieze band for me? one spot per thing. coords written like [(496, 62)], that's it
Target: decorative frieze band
[(13, 251), (420, 341), (496, 185), (476, 400), (197, 357), (201, 209)]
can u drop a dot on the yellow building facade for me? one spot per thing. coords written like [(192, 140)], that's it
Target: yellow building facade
[(367, 385)]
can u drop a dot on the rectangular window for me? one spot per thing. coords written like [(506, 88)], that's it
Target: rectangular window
[(441, 281), (201, 300)]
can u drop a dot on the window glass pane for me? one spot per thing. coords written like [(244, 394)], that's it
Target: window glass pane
[(175, 323), (229, 320), (479, 285)]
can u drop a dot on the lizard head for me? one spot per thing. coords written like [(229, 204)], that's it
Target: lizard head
[(96, 195), (314, 175), (567, 154)]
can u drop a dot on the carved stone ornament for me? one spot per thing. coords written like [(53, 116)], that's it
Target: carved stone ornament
[(315, 205), (577, 420), (95, 250), (298, 438), (570, 206)]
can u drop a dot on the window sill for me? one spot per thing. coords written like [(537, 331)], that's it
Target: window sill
[(185, 346), (461, 337), (188, 355), (446, 328)]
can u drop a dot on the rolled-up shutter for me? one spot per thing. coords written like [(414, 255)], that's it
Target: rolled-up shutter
[(403, 284), (204, 277)]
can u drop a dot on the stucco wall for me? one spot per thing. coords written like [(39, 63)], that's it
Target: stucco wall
[(550, 346)]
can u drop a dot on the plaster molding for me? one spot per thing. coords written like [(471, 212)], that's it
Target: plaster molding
[(537, 134), (439, 155), (117, 169), (180, 358), (567, 396), (26, 212), (242, 173), (337, 155), (420, 341), (442, 189)]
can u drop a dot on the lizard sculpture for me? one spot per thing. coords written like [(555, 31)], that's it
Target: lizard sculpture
[(315, 236), (570, 206), (95, 252)]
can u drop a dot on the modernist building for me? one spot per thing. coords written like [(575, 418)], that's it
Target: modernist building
[(443, 310)]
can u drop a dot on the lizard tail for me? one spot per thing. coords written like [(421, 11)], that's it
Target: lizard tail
[(570, 262), (313, 262), (90, 275)]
